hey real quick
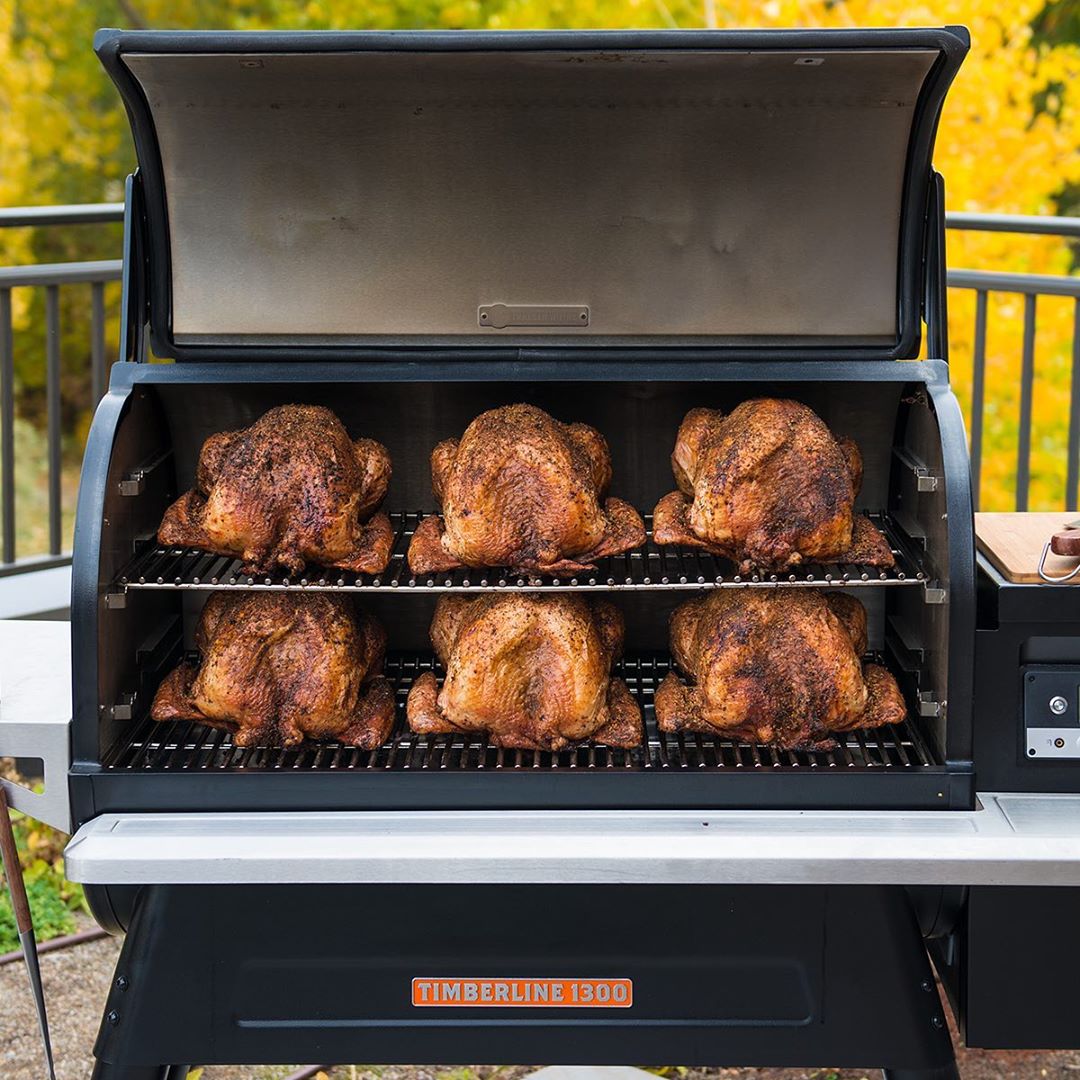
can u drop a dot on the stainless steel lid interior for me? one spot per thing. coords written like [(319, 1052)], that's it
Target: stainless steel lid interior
[(759, 189)]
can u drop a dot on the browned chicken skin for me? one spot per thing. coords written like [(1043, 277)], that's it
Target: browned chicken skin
[(534, 672), (524, 491), (774, 666), (277, 668), (769, 486), (291, 489)]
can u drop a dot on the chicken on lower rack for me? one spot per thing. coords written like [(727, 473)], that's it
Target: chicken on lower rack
[(524, 491), (291, 489), (774, 666), (278, 668), (769, 486), (532, 672)]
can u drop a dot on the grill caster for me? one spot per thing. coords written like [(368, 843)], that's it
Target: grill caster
[(942, 1072), (105, 1071)]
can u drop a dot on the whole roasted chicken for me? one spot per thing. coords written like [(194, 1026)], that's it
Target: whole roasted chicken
[(278, 668), (291, 489), (524, 491), (779, 666), (533, 672), (769, 486)]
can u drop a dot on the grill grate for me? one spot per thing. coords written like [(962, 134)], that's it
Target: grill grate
[(652, 566), (182, 746)]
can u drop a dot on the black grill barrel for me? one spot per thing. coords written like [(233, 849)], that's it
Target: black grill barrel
[(129, 591)]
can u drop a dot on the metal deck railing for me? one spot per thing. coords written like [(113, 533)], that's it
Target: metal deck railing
[(94, 277)]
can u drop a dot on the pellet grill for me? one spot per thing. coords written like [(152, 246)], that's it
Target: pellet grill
[(615, 226)]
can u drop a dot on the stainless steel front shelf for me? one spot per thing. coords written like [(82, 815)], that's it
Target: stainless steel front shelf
[(1009, 840)]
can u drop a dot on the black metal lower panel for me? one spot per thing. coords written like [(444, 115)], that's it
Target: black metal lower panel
[(796, 976), (933, 788), (1011, 969)]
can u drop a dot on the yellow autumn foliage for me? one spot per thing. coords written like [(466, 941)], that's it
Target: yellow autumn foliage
[(1009, 142)]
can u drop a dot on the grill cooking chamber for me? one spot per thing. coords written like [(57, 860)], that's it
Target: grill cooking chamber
[(136, 604)]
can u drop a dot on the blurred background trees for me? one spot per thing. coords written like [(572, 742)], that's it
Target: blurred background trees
[(1009, 142)]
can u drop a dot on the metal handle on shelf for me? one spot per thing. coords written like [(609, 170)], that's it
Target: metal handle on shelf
[(1060, 580)]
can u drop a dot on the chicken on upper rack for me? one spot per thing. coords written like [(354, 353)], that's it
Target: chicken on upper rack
[(278, 668), (776, 666), (524, 491), (769, 486), (531, 671), (291, 489)]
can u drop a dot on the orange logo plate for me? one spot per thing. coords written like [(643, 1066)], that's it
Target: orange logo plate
[(523, 993)]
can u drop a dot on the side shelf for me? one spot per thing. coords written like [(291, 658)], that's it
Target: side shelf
[(35, 713)]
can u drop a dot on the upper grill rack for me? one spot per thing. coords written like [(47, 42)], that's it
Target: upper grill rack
[(183, 746), (652, 566)]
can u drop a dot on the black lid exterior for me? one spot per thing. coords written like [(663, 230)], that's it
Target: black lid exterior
[(742, 193)]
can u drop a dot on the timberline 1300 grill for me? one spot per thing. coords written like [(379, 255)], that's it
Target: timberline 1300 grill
[(412, 228)]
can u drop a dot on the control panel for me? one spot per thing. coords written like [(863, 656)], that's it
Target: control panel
[(1051, 711)]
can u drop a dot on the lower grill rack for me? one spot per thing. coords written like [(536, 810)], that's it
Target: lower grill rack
[(652, 566), (185, 747)]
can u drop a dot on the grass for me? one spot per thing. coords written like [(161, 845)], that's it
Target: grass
[(53, 899)]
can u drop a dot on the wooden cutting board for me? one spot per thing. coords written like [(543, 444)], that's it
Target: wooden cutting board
[(1014, 543)]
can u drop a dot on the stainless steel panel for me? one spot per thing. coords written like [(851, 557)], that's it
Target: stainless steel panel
[(362, 196), (35, 713), (1009, 840)]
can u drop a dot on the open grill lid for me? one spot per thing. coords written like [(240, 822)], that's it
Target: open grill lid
[(339, 194)]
